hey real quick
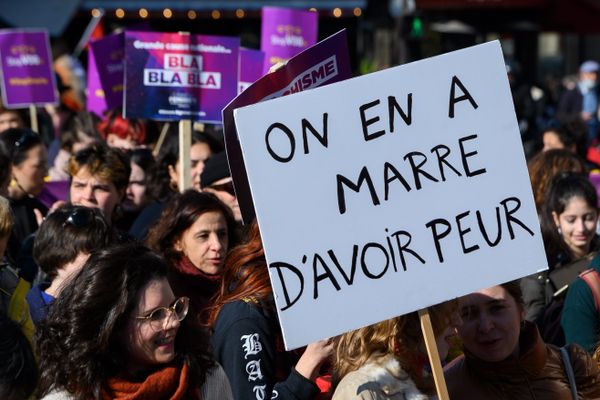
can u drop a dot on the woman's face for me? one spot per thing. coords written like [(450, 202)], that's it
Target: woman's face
[(577, 225), (92, 191), (135, 195), (30, 173), (147, 346), (199, 153), (205, 242), (491, 324)]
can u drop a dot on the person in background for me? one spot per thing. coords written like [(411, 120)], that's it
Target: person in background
[(79, 132), (568, 223), (569, 136), (29, 166), (62, 245), (18, 369), (388, 360), (163, 179), (194, 233), (545, 165), (117, 331), (10, 119), (99, 178), (5, 169), (505, 357), (247, 339), (137, 195), (125, 134), (216, 179), (582, 100)]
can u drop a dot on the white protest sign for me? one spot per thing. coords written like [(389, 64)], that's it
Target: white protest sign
[(390, 192)]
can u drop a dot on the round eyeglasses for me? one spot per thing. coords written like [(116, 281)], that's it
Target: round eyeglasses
[(159, 316)]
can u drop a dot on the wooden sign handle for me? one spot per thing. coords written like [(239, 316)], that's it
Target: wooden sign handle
[(185, 163), (33, 118), (434, 357)]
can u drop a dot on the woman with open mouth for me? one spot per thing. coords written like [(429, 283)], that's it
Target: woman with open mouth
[(118, 332)]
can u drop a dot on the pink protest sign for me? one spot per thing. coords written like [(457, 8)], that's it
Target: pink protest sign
[(251, 67), (26, 68), (172, 76), (326, 62), (286, 32)]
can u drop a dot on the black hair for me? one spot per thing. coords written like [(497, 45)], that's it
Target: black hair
[(18, 369), (18, 142)]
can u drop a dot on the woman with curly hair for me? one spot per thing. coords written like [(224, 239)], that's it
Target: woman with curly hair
[(194, 233), (388, 360), (118, 332), (247, 340)]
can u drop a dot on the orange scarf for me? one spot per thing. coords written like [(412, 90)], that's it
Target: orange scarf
[(171, 382)]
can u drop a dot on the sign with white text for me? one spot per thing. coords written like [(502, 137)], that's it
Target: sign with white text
[(388, 193), (173, 76)]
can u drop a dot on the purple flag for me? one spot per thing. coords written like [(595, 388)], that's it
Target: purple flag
[(286, 32), (95, 102), (326, 62), (109, 53), (251, 66), (171, 76), (26, 68)]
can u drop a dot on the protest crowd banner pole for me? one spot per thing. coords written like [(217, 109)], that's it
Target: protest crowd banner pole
[(185, 163), (434, 356), (33, 117), (161, 139)]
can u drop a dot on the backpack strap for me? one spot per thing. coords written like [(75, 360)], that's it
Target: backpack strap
[(592, 279)]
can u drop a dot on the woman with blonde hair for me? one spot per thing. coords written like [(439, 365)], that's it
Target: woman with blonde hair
[(388, 360)]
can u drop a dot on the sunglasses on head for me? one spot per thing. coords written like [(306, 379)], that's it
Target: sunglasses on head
[(26, 137), (224, 187), (80, 217)]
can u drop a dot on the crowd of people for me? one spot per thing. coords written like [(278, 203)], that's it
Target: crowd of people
[(115, 284)]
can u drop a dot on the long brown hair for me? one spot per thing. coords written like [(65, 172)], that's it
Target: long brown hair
[(245, 275)]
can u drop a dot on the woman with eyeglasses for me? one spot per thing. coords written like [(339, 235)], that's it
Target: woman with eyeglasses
[(247, 339), (29, 167), (194, 233), (61, 246), (118, 332)]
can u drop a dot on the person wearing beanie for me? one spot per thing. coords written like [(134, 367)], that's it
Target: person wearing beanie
[(216, 179)]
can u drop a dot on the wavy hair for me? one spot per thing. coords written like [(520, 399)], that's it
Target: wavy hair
[(400, 336), (245, 275), (179, 215), (544, 166), (80, 342)]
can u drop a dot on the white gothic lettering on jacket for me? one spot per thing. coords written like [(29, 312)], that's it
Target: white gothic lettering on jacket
[(251, 344), (259, 391), (253, 370)]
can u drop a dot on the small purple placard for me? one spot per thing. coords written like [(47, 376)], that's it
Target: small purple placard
[(109, 53), (171, 76), (286, 32), (95, 102), (251, 66), (26, 68)]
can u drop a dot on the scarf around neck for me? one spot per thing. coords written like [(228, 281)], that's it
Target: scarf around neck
[(171, 382)]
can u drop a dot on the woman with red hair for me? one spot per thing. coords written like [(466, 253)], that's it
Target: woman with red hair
[(122, 133), (247, 340)]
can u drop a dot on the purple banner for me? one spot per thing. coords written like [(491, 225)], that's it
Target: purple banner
[(109, 53), (171, 76), (95, 102), (326, 62), (251, 67), (26, 68), (286, 32)]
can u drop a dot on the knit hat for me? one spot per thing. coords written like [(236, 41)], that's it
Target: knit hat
[(589, 66), (215, 168)]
